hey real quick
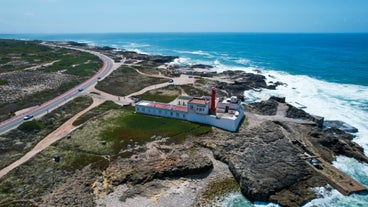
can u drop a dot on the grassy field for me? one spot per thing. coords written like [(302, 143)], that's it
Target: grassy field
[(126, 80), (119, 127), (137, 129), (18, 55), (25, 88), (17, 142), (96, 112), (164, 95)]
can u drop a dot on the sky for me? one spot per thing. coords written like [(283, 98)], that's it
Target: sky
[(110, 16)]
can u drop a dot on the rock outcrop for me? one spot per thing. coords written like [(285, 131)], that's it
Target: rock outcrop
[(245, 81), (268, 160), (263, 161), (268, 107), (158, 161)]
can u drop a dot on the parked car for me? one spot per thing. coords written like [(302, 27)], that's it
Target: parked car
[(171, 81), (28, 117)]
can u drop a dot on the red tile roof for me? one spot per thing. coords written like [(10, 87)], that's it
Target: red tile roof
[(180, 108), (198, 101), (167, 106)]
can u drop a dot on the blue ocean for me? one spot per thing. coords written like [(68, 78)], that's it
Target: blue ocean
[(327, 73)]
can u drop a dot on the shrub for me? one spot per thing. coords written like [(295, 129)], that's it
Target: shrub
[(31, 126)]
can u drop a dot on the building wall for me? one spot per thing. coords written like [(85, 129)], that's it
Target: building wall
[(198, 108), (161, 112), (230, 124), (220, 122)]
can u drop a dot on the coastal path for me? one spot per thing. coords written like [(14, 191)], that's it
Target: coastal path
[(98, 98), (105, 70)]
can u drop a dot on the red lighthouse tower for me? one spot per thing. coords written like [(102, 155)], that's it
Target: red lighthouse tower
[(213, 100)]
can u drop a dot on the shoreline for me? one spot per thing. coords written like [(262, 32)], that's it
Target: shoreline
[(183, 190)]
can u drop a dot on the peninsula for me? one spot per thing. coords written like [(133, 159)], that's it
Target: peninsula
[(95, 150)]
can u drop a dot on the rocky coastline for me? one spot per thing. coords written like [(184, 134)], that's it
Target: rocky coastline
[(270, 157), (265, 156)]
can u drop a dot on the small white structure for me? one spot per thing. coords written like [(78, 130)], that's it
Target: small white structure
[(226, 115)]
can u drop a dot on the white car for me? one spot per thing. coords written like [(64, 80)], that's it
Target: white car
[(28, 117)]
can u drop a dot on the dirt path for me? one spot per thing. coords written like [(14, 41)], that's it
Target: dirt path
[(98, 98), (54, 136)]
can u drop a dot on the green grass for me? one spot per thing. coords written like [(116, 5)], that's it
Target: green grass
[(33, 126), (18, 141), (125, 81), (3, 82), (164, 95), (33, 53), (139, 128), (103, 108)]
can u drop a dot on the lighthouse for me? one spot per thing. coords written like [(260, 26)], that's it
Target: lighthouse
[(213, 101)]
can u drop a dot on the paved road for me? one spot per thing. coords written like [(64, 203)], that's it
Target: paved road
[(62, 99)]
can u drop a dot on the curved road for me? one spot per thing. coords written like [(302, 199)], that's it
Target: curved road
[(65, 97)]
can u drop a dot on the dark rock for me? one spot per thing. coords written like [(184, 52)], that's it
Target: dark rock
[(340, 125), (296, 113), (161, 59), (268, 107), (278, 99), (202, 66), (340, 143), (273, 86), (263, 161), (243, 81)]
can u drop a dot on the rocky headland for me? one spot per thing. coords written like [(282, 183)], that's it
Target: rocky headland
[(279, 154), (270, 156)]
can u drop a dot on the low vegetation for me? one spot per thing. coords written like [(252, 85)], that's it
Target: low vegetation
[(219, 187), (97, 143), (96, 112), (165, 95), (125, 81), (17, 142), (32, 73), (137, 129)]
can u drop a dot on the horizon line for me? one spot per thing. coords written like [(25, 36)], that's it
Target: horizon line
[(79, 33)]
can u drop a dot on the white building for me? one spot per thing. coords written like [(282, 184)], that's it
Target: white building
[(226, 115)]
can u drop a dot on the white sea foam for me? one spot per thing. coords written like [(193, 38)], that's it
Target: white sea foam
[(242, 61), (135, 45), (181, 61), (197, 52), (334, 102), (328, 197), (236, 199)]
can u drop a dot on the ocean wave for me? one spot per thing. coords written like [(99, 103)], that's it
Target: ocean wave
[(236, 199), (331, 197), (135, 45), (181, 61), (197, 52), (242, 61), (136, 50)]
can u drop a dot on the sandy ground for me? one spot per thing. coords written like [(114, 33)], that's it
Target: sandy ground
[(181, 192)]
